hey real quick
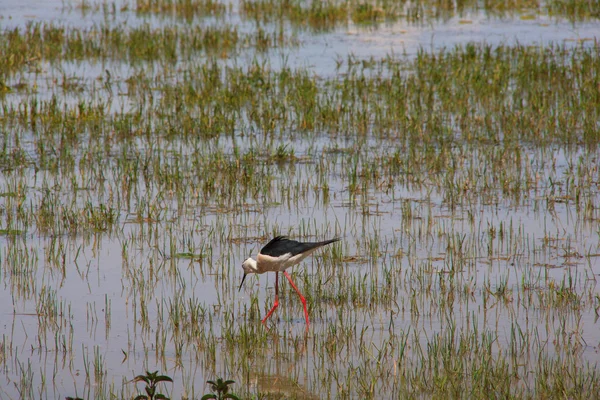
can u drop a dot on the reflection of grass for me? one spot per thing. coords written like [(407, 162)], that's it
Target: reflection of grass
[(189, 256)]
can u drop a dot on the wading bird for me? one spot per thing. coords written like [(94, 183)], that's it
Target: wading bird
[(277, 256)]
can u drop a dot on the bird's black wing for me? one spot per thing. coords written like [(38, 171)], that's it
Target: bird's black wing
[(281, 245)]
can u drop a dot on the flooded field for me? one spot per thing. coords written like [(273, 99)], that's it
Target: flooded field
[(149, 147)]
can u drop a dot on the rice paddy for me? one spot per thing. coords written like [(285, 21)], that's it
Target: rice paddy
[(149, 147)]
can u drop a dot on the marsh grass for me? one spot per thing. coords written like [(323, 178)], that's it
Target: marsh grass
[(184, 8), (24, 47), (329, 15)]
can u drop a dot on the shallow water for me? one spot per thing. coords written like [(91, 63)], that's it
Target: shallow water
[(85, 312)]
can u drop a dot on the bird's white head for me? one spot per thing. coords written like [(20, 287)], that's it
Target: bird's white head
[(249, 267)]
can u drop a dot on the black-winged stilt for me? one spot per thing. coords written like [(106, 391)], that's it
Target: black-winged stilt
[(277, 256)]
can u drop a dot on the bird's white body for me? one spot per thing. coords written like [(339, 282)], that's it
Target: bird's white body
[(264, 263)]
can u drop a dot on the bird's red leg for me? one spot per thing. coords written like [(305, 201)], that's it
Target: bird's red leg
[(301, 297), (276, 297)]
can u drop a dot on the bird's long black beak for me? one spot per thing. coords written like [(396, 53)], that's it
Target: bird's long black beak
[(243, 279)]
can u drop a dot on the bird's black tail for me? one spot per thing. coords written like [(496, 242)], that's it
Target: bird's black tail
[(315, 245)]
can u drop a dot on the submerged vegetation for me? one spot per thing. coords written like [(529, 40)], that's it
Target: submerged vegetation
[(142, 162)]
